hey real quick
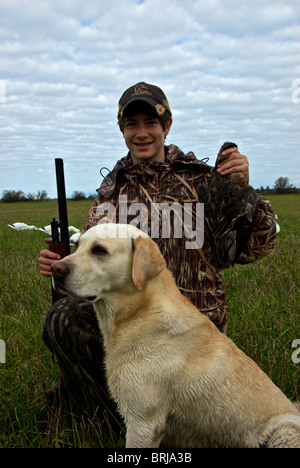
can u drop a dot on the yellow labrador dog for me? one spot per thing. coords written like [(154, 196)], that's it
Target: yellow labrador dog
[(177, 380)]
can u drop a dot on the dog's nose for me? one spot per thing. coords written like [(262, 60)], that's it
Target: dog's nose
[(59, 269)]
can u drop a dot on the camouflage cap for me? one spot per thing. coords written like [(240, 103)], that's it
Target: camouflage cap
[(149, 93)]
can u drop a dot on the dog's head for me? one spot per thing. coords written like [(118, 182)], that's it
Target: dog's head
[(109, 258)]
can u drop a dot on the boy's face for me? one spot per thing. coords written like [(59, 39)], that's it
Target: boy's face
[(144, 137)]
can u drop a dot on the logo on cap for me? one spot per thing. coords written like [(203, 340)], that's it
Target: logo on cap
[(141, 89)]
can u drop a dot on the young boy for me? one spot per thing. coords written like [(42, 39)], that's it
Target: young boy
[(152, 176)]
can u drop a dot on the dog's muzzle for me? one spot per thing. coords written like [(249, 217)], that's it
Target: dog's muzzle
[(59, 271)]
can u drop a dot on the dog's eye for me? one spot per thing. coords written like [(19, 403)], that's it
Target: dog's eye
[(98, 250)]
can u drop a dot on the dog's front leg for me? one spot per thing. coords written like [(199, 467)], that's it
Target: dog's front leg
[(143, 434)]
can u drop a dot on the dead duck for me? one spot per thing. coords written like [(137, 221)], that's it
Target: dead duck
[(230, 210)]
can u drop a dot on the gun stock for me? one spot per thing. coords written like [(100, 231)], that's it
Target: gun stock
[(60, 229)]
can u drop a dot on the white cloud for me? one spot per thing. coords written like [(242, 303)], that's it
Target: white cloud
[(226, 67)]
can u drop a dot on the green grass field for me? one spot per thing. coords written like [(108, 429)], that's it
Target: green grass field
[(263, 321)]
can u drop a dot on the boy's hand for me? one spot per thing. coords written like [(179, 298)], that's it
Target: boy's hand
[(234, 162), (46, 259)]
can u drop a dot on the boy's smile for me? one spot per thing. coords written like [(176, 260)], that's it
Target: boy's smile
[(144, 137)]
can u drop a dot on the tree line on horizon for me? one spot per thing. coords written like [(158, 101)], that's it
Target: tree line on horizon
[(282, 185), (12, 196)]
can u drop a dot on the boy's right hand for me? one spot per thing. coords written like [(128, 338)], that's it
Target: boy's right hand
[(46, 259)]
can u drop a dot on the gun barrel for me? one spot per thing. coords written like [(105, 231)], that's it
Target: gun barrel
[(62, 203)]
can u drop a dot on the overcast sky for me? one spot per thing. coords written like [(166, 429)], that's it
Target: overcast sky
[(230, 69)]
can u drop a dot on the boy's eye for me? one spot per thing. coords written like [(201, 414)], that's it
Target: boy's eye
[(130, 124)]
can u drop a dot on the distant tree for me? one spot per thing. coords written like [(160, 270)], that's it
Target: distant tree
[(42, 195), (77, 195), (12, 196), (282, 185)]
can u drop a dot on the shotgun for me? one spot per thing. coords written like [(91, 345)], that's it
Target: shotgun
[(60, 229)]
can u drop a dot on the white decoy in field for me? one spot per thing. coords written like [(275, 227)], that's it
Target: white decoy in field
[(47, 229), (277, 225), (74, 238), (74, 229), (22, 227)]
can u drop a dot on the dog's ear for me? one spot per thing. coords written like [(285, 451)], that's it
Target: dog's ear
[(147, 261)]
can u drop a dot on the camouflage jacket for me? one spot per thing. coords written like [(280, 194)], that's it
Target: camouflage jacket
[(180, 180)]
